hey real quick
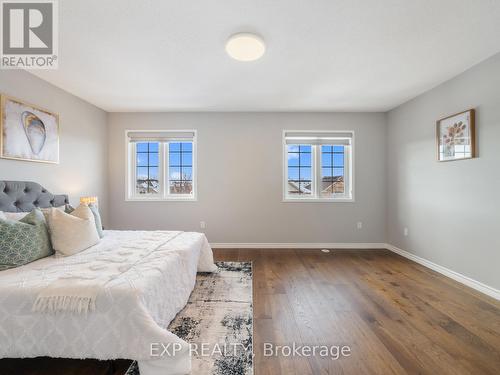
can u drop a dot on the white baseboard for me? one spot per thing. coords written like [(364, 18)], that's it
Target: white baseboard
[(312, 245), (474, 284)]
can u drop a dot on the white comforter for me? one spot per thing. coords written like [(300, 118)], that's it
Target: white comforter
[(132, 309)]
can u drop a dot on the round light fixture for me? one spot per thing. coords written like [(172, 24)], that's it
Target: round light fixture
[(245, 47)]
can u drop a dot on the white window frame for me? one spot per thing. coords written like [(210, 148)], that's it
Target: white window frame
[(163, 175), (347, 197)]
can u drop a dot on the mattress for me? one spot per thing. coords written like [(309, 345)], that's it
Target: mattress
[(132, 310)]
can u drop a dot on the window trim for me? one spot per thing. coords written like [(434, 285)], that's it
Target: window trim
[(349, 159), (131, 170)]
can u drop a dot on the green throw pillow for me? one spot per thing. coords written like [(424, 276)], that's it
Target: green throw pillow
[(24, 241)]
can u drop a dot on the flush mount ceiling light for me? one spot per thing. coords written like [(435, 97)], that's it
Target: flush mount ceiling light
[(245, 47)]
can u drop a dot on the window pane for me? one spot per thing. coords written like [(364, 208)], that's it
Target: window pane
[(174, 146), (181, 187), (338, 160), (142, 147), (326, 172), (153, 146), (142, 180), (299, 169), (332, 171), (180, 165), (305, 173), (154, 182), (142, 173), (293, 159), (174, 159), (147, 168), (326, 160), (187, 158), (153, 173), (187, 173), (331, 183), (305, 188), (153, 159), (293, 188), (299, 187), (293, 173), (142, 159), (187, 146), (305, 160), (338, 171), (175, 173)]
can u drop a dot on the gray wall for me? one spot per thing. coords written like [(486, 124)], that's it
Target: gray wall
[(452, 209), (83, 143), (240, 179)]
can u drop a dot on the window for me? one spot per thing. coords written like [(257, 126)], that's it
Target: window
[(318, 166), (161, 165)]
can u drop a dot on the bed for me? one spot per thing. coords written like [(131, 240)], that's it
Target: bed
[(144, 278)]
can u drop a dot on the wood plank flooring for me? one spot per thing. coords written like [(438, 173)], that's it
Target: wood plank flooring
[(396, 316)]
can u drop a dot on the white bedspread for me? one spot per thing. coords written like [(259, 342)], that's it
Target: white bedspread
[(132, 310)]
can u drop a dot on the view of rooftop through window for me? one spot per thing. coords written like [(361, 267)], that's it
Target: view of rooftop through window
[(301, 167), (332, 170), (147, 164), (181, 167)]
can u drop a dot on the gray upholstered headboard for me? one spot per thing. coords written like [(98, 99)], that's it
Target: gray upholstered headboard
[(24, 196)]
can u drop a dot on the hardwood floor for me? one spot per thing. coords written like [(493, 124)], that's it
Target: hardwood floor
[(396, 316)]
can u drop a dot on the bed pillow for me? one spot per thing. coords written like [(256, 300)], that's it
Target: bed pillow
[(97, 218), (2, 216), (15, 215), (23, 241), (72, 233), (46, 211)]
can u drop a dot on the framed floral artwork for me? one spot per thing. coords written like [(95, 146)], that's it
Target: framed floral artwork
[(456, 136)]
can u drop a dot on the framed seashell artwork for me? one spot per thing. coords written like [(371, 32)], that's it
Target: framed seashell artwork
[(28, 132), (456, 136)]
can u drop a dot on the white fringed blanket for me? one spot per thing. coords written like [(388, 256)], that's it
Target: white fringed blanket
[(76, 288), (131, 285)]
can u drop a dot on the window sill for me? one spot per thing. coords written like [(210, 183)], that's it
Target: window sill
[(154, 199), (318, 200)]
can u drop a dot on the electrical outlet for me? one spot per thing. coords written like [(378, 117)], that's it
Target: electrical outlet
[(405, 231), (360, 225), (203, 225)]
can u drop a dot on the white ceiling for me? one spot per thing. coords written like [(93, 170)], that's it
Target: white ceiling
[(322, 55)]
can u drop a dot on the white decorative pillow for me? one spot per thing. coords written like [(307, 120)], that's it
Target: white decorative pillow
[(72, 233), (46, 211), (16, 216)]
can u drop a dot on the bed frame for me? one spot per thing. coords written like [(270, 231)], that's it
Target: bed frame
[(24, 196)]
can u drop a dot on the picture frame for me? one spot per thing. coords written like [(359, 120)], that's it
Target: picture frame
[(455, 136), (28, 132)]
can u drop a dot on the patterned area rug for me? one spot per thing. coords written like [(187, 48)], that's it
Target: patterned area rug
[(217, 322)]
